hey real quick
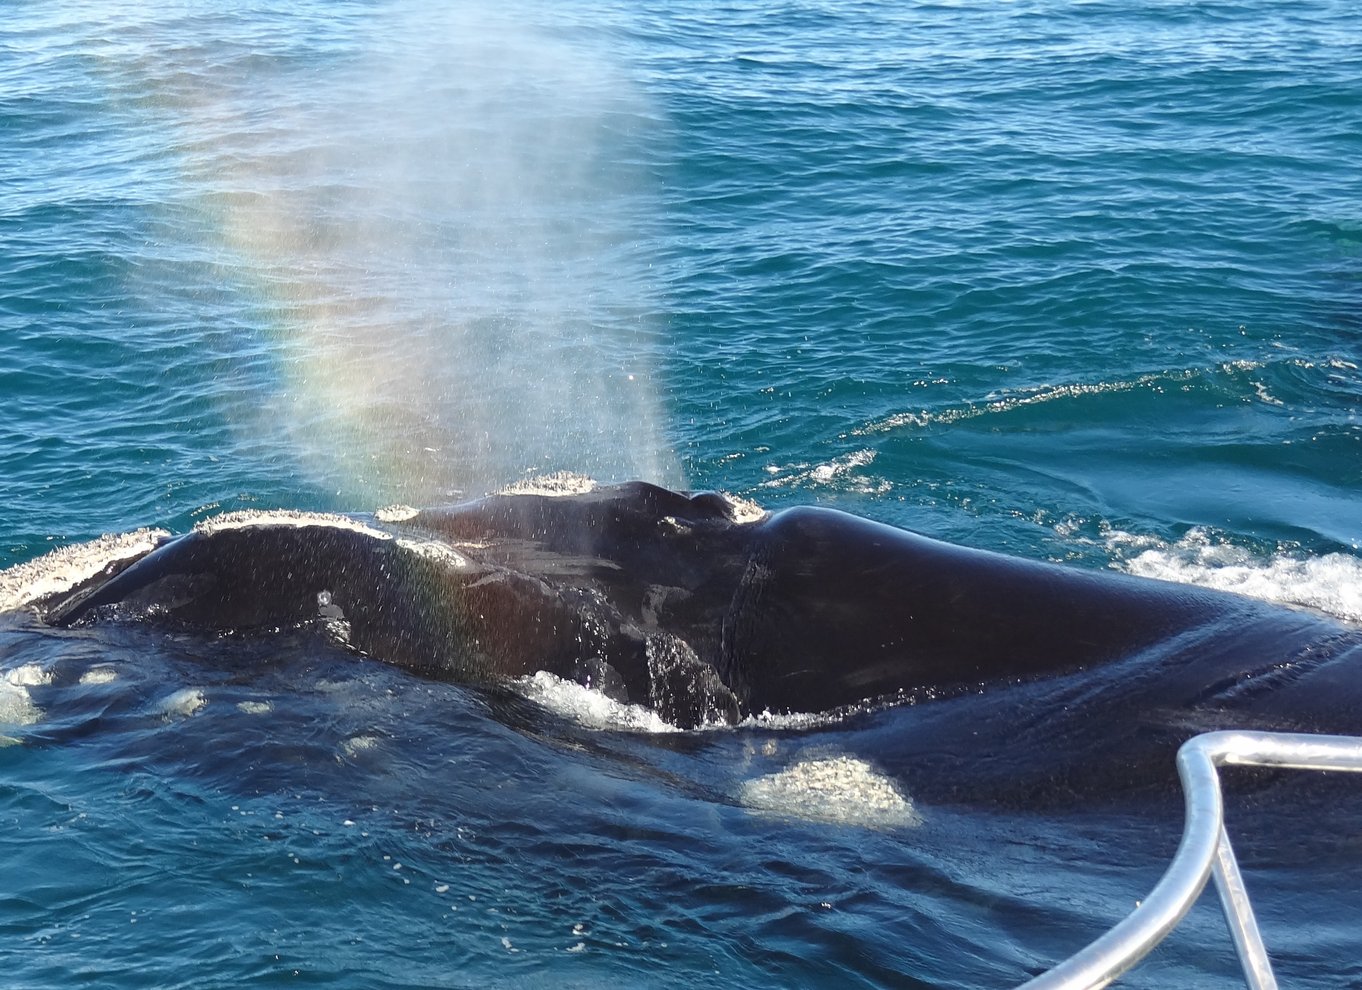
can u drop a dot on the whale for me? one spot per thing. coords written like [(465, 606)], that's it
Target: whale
[(709, 610)]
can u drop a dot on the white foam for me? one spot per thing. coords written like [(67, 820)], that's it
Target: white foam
[(183, 703), (588, 706), (16, 704), (255, 707), (28, 675), (64, 568), (336, 686), (102, 674), (840, 789), (798, 720), (1330, 583), (356, 745)]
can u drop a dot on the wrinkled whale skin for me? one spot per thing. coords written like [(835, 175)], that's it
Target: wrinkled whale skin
[(670, 600)]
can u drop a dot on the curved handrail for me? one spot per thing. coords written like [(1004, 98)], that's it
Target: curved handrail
[(1204, 851)]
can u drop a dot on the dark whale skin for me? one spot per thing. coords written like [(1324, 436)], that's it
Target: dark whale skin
[(670, 600)]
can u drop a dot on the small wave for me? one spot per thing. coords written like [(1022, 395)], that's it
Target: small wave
[(1331, 583), (836, 471), (1003, 403), (1007, 401)]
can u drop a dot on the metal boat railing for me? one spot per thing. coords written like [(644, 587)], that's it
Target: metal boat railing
[(1204, 852)]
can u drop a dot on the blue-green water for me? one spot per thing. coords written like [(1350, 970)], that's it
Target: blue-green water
[(1079, 281)]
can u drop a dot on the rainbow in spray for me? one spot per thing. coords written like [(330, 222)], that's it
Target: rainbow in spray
[(448, 242)]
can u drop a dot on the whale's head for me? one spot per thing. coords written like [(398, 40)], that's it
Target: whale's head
[(623, 588)]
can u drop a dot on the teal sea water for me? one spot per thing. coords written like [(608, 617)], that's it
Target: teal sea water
[(1076, 281)]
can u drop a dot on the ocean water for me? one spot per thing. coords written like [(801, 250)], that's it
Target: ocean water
[(1079, 281)]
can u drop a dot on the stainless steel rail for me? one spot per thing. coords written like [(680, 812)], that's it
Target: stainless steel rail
[(1204, 851)]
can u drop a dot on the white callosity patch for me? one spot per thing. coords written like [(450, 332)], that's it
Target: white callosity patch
[(1330, 583), (839, 789), (283, 517), (557, 484), (744, 509), (588, 706), (434, 550), (396, 513), (64, 568), (103, 674)]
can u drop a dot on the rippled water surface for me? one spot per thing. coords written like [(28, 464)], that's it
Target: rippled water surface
[(1077, 281)]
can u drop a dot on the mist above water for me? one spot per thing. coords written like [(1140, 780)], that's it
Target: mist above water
[(447, 223)]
